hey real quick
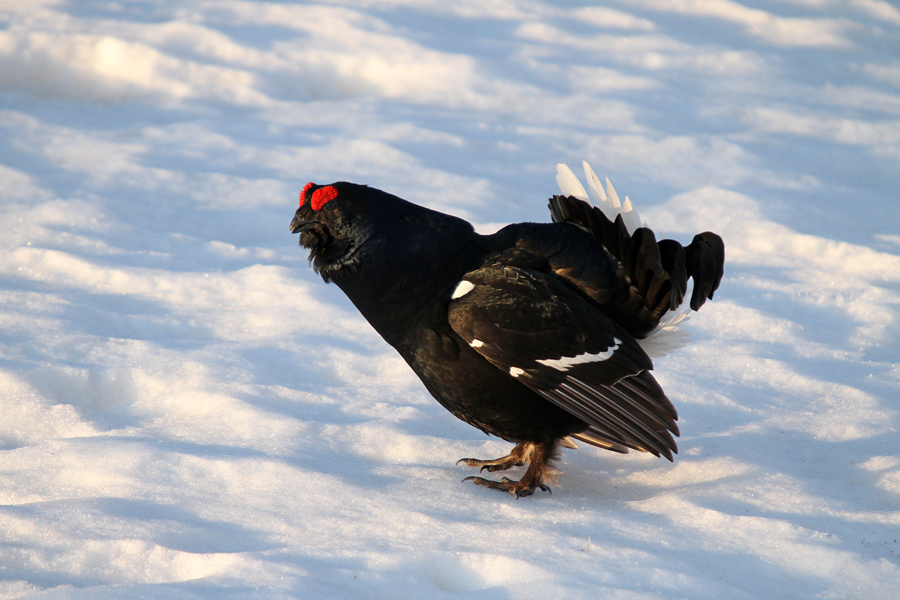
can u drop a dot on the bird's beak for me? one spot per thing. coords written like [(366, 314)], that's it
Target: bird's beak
[(296, 225)]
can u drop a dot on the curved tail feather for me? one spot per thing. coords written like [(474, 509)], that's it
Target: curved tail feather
[(659, 270)]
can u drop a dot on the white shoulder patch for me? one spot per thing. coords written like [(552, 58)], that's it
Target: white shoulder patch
[(515, 371), (462, 288), (567, 362)]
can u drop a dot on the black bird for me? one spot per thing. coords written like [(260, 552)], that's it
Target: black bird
[(536, 333)]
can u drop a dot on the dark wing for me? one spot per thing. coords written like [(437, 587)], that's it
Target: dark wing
[(659, 270), (559, 344)]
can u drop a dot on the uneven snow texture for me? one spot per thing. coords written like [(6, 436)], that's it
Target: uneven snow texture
[(186, 411)]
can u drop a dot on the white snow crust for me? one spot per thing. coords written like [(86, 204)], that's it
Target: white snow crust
[(187, 411)]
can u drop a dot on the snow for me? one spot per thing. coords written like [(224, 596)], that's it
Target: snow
[(189, 412)]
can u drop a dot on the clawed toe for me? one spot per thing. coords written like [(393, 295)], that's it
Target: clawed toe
[(488, 465), (516, 488), (497, 464)]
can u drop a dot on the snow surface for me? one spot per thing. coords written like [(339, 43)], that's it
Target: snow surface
[(186, 411)]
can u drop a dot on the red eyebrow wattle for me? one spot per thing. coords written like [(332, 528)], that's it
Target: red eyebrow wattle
[(306, 188), (323, 195)]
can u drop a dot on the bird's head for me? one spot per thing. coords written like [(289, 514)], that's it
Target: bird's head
[(354, 231), (333, 224)]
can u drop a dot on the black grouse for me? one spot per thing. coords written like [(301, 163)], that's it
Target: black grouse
[(540, 333)]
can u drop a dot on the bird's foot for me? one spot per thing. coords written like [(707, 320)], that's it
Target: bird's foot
[(516, 488), (536, 455)]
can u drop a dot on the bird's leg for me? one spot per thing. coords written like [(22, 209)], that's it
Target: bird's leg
[(539, 472)]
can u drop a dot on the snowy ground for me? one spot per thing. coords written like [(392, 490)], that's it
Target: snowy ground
[(186, 411)]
